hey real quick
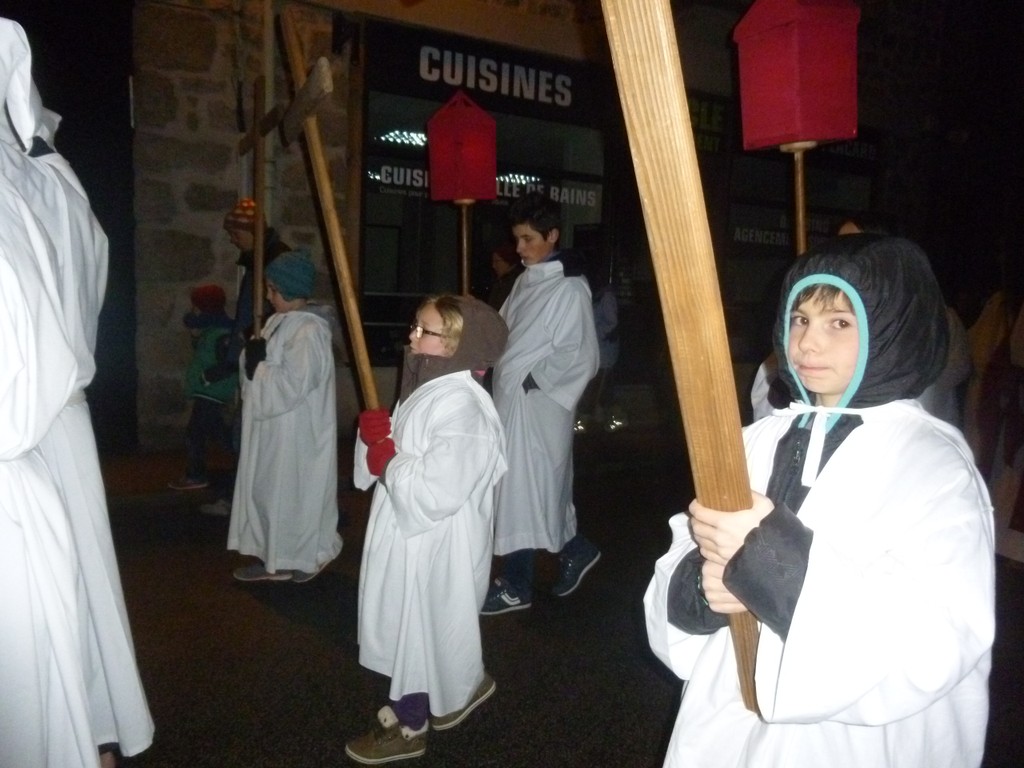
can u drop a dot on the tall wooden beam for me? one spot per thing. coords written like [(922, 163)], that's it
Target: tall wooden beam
[(650, 82)]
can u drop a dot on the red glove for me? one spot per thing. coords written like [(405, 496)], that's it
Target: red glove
[(374, 425), (378, 455)]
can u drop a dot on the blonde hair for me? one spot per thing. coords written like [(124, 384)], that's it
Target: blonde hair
[(448, 308)]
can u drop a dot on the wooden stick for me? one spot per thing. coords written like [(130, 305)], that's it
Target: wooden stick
[(259, 174), (797, 148), (465, 223), (266, 124), (325, 195), (650, 83)]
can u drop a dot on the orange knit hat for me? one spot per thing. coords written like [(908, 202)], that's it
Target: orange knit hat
[(242, 216)]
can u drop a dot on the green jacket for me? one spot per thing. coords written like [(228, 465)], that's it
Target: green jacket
[(210, 347)]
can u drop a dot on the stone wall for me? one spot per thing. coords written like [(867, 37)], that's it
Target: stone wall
[(191, 59)]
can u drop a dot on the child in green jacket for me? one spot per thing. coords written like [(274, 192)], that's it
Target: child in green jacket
[(210, 326)]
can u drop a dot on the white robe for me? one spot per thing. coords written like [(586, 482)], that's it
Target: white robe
[(427, 557), (44, 714), (285, 507), (887, 659), (551, 336), (117, 702)]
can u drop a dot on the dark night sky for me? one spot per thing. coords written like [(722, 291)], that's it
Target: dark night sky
[(81, 65)]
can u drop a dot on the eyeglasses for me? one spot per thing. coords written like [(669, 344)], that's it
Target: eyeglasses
[(419, 330)]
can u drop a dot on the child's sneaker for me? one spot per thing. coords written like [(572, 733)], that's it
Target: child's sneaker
[(188, 484), (256, 572), (388, 740), (502, 597), (574, 567), (482, 693), (219, 508)]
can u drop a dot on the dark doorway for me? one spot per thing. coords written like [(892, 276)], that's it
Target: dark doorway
[(82, 67)]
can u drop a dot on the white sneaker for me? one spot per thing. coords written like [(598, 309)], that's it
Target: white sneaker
[(219, 508)]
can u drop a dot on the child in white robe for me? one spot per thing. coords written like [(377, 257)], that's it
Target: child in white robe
[(429, 540), (867, 555), (285, 507)]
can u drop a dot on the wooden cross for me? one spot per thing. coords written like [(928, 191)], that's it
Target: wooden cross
[(289, 119), (325, 196)]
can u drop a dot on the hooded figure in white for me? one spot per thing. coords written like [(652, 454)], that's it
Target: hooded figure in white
[(872, 576), (117, 703), (427, 557), (44, 711)]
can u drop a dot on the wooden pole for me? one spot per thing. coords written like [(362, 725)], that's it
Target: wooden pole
[(465, 224), (650, 83), (797, 148), (259, 193), (325, 194)]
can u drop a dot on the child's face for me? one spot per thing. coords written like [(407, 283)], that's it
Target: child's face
[(823, 347), (426, 334), (531, 245), (279, 302), (242, 239)]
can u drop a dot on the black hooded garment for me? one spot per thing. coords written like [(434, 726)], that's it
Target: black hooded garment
[(901, 318), (904, 318)]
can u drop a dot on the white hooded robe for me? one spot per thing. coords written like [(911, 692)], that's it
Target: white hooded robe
[(427, 557), (117, 702), (44, 713)]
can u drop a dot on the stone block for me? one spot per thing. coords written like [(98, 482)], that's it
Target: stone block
[(168, 254), (156, 103), (173, 38), (209, 198), (162, 154), (154, 202)]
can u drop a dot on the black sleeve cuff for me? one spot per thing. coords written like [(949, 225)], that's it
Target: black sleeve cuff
[(687, 608), (767, 573)]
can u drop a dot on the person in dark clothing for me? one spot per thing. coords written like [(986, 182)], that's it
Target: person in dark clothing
[(507, 267), (210, 327), (240, 224)]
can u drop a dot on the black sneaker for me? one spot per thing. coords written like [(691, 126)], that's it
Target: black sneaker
[(502, 597), (574, 567)]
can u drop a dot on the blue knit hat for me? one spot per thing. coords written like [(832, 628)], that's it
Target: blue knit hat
[(293, 273)]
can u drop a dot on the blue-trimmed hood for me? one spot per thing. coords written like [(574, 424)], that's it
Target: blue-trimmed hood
[(900, 310)]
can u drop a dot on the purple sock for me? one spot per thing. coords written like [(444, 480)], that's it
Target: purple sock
[(412, 710)]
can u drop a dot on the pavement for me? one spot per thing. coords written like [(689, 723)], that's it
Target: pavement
[(268, 674)]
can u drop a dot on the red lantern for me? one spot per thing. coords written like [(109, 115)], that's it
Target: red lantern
[(798, 71), (462, 145)]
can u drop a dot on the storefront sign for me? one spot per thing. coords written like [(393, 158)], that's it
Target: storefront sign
[(409, 179), (414, 61)]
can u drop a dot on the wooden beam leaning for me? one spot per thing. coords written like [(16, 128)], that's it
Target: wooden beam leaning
[(266, 124), (325, 195), (317, 87), (290, 119), (259, 183), (649, 74)]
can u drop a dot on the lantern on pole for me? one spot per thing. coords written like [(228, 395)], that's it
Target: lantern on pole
[(798, 80), (462, 148)]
